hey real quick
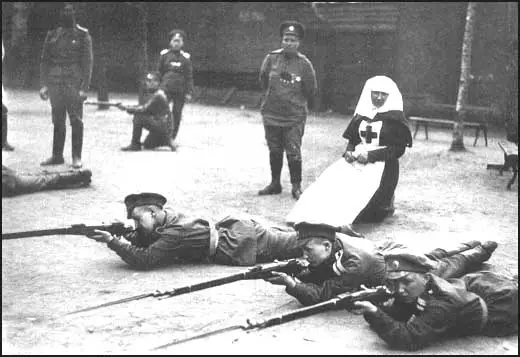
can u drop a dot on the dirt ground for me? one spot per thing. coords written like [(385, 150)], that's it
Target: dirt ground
[(222, 161)]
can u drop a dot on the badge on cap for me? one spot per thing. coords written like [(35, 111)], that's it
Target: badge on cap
[(291, 28)]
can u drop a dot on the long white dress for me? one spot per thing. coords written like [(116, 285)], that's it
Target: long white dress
[(344, 189)]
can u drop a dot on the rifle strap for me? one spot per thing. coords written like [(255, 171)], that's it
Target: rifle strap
[(338, 268)]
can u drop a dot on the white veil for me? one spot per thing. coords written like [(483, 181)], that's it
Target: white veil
[(380, 84)]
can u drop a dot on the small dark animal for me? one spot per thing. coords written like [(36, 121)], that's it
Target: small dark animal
[(510, 162)]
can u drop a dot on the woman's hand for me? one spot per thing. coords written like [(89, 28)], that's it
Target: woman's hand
[(349, 157), (362, 158)]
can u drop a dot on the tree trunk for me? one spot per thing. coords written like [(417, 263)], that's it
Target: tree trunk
[(19, 42), (102, 94), (457, 143)]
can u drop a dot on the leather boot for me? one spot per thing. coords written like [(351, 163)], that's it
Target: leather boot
[(135, 144), (72, 178), (77, 144), (274, 188), (295, 170), (440, 253), (58, 143)]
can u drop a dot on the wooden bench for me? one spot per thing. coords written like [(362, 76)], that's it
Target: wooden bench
[(425, 122), (510, 161)]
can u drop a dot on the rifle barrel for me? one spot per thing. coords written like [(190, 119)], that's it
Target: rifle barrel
[(38, 233)]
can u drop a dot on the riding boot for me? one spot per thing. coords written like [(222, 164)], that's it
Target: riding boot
[(440, 253), (135, 144), (58, 143), (464, 262), (77, 144), (275, 187), (71, 178), (295, 170)]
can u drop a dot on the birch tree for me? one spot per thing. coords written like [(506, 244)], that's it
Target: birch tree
[(457, 143)]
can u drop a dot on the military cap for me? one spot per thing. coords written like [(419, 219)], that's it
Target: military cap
[(143, 199), (68, 9), (177, 31), (292, 28), (309, 230), (402, 263)]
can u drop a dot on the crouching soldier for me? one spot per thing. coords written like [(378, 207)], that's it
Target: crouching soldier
[(16, 183), (428, 308), (164, 236), (154, 115)]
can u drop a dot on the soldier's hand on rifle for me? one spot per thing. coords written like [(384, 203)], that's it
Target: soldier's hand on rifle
[(100, 236), (363, 306), (121, 106), (280, 278), (188, 97), (44, 93)]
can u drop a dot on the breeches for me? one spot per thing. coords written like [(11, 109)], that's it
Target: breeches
[(243, 241), (280, 138), (64, 97)]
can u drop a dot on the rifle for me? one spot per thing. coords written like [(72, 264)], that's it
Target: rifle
[(291, 267), (108, 104), (345, 300), (117, 228)]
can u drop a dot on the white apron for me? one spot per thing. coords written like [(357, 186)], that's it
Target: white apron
[(341, 192)]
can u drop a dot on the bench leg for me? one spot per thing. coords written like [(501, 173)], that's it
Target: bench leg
[(416, 130), (426, 130), (485, 134), (477, 132)]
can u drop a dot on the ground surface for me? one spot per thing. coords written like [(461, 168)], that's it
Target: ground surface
[(222, 161)]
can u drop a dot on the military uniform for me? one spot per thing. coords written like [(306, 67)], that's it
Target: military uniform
[(481, 303), (231, 241), (5, 145), (356, 261), (156, 117), (16, 183), (176, 70), (289, 82), (66, 68)]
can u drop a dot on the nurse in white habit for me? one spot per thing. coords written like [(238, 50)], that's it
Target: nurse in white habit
[(360, 186)]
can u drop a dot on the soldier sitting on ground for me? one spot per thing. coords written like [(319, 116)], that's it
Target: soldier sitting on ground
[(154, 115), (339, 264), (428, 308), (17, 183)]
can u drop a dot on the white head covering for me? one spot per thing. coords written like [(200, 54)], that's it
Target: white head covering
[(379, 84)]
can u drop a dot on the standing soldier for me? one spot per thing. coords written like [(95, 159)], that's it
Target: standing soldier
[(5, 144), (65, 72), (176, 72), (289, 80)]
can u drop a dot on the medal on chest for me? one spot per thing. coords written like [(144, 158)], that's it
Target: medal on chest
[(175, 64), (370, 132)]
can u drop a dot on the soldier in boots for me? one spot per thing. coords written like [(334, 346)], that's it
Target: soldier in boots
[(17, 183), (176, 70), (5, 145), (65, 72), (154, 115), (289, 80)]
